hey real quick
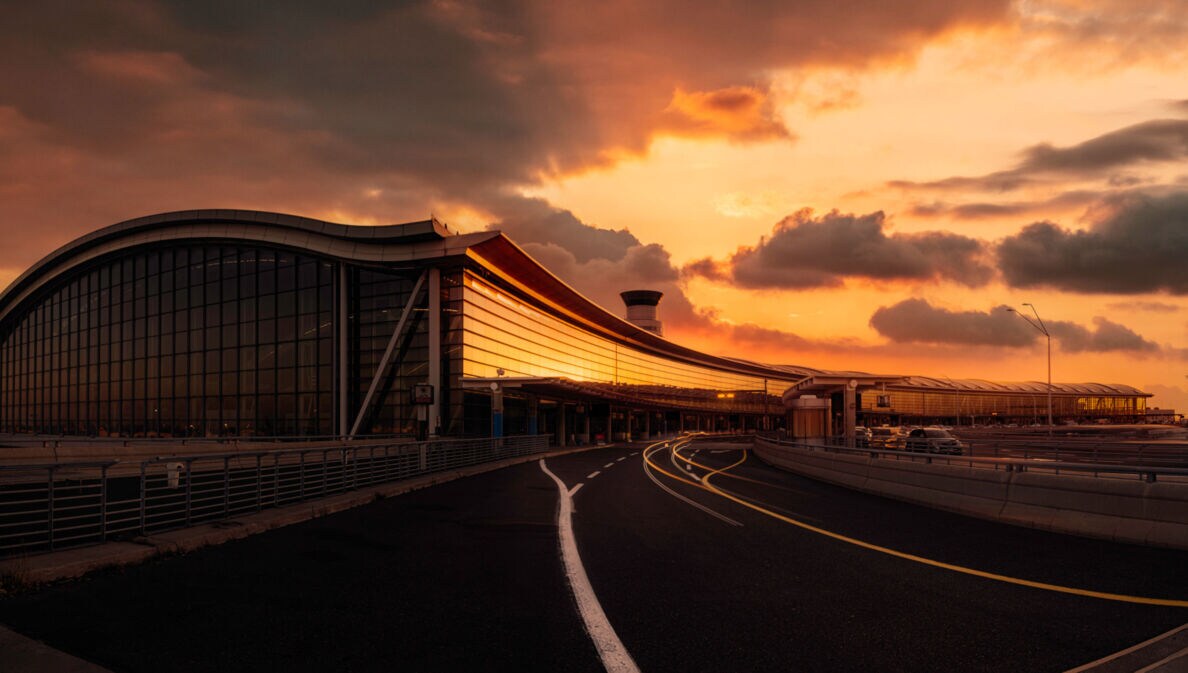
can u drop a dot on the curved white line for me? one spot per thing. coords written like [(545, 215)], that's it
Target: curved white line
[(615, 657), (678, 496)]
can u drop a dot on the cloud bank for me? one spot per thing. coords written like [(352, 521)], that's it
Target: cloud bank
[(918, 321), (804, 251)]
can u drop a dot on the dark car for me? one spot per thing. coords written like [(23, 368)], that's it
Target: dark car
[(933, 440)]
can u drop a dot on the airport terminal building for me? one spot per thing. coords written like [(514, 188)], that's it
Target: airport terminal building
[(243, 323)]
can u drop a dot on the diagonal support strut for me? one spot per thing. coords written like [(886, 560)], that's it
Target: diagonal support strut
[(383, 365)]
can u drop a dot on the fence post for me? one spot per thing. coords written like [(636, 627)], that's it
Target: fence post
[(50, 504), (189, 490), (103, 504), (143, 496), (226, 485), (259, 485)]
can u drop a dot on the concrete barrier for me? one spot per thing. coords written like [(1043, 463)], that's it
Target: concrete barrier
[(1122, 510)]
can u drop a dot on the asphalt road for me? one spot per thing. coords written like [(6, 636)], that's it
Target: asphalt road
[(466, 576)]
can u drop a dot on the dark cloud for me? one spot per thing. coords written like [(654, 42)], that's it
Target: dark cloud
[(975, 211), (1107, 336), (804, 251), (1159, 140), (1138, 245), (600, 279), (1000, 181), (755, 335), (535, 221), (381, 110), (917, 321), (1145, 306), (1109, 32)]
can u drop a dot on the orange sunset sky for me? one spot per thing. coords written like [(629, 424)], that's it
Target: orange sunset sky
[(851, 184)]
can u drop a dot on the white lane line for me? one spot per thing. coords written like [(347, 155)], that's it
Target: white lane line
[(593, 474), (1102, 663), (575, 488), (1167, 664), (648, 471), (636, 453), (610, 464), (615, 657), (621, 459)]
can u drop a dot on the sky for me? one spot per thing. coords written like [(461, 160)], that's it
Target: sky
[(844, 184)]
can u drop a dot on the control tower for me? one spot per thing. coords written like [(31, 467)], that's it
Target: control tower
[(641, 309)]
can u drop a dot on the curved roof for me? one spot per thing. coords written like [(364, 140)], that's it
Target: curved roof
[(984, 386), (418, 239), (392, 245)]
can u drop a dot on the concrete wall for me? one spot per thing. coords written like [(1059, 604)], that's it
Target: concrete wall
[(1124, 510)]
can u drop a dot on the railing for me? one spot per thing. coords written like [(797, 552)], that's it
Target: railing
[(1019, 459), (53, 506), (59, 441)]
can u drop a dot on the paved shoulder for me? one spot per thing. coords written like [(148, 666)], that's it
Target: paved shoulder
[(18, 653)]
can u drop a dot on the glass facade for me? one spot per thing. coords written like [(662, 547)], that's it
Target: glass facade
[(981, 407), (503, 336), (199, 340)]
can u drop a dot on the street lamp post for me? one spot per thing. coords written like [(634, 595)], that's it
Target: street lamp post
[(1038, 323)]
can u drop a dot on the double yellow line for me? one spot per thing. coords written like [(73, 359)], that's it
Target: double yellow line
[(704, 484)]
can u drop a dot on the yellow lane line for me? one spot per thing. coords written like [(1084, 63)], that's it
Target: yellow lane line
[(1123, 598), (648, 459)]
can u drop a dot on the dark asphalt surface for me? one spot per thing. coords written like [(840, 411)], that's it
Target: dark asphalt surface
[(466, 576), (461, 576), (689, 592)]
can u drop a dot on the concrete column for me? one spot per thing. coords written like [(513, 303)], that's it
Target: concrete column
[(561, 431), (585, 435), (435, 424), (610, 424), (851, 413), (647, 429), (533, 410), (341, 362), (497, 410)]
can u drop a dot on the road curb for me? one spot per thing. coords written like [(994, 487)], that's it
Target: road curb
[(73, 563)]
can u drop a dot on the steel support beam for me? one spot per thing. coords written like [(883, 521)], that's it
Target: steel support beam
[(383, 365), (435, 349)]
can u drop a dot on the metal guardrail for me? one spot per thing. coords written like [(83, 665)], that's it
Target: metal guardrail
[(59, 441), (1038, 460), (58, 505)]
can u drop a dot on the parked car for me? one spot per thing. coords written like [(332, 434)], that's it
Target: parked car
[(885, 437), (933, 440), (862, 437)]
